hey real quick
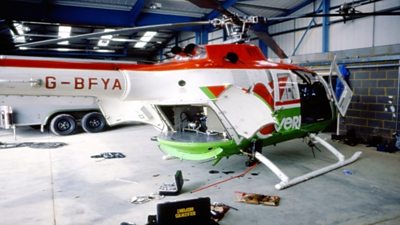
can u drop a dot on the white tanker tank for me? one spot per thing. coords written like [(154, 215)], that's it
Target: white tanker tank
[(61, 93), (65, 93)]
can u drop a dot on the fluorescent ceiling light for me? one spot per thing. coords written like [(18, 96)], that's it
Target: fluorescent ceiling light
[(105, 39), (148, 36), (123, 40), (64, 32), (19, 36), (104, 50), (145, 38), (140, 44), (62, 49)]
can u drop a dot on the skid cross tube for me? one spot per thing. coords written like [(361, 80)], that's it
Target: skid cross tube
[(287, 182)]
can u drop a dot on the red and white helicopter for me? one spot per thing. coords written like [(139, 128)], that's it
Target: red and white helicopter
[(209, 102)]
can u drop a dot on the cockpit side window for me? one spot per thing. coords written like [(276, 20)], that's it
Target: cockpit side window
[(315, 105)]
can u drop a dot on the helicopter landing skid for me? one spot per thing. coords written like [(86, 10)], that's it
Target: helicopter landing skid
[(287, 182)]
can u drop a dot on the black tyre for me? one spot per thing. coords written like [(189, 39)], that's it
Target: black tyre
[(93, 122), (63, 124)]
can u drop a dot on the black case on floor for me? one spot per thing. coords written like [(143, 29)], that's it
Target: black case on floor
[(187, 212), (173, 188)]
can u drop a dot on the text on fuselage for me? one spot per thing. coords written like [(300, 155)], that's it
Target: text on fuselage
[(80, 83), (289, 123)]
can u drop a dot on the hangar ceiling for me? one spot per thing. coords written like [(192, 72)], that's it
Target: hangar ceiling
[(35, 20)]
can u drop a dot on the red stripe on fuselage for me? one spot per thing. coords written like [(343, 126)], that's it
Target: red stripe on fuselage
[(296, 101), (250, 57)]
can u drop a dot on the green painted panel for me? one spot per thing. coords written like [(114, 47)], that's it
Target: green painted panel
[(199, 151)]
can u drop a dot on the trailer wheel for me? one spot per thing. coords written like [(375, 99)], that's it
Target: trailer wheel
[(93, 122), (63, 124)]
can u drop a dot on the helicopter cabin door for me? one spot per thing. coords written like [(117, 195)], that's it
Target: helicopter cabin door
[(244, 112), (342, 96), (286, 101)]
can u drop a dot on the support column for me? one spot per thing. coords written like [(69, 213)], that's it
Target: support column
[(202, 36), (263, 47), (325, 26)]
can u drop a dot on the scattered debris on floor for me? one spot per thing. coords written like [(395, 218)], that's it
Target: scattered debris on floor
[(154, 138), (387, 146), (140, 199), (40, 145), (226, 172), (374, 140), (347, 172), (350, 138), (257, 199), (109, 155), (218, 211)]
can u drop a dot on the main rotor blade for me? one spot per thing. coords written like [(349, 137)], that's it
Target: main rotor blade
[(335, 15), (271, 43), (120, 31)]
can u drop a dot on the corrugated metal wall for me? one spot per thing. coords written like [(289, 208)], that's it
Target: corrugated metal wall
[(359, 33), (353, 34)]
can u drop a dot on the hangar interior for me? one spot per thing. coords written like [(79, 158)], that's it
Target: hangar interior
[(73, 184)]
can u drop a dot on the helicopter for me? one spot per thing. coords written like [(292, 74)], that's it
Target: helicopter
[(208, 102)]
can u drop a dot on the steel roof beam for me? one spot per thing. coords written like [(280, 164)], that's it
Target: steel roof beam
[(53, 13), (146, 19), (28, 11), (325, 26), (215, 13), (135, 11), (261, 7)]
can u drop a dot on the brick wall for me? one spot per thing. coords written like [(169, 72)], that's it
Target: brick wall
[(375, 97)]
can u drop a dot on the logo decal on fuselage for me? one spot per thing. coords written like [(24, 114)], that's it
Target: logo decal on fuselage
[(289, 123)]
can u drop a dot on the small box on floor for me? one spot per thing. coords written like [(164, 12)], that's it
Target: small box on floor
[(173, 188)]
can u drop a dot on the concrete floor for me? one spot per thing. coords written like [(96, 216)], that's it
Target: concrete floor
[(65, 186)]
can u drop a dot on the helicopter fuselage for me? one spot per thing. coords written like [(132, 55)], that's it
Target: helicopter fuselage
[(210, 104)]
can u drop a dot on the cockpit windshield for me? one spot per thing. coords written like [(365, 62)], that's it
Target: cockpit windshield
[(304, 77)]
